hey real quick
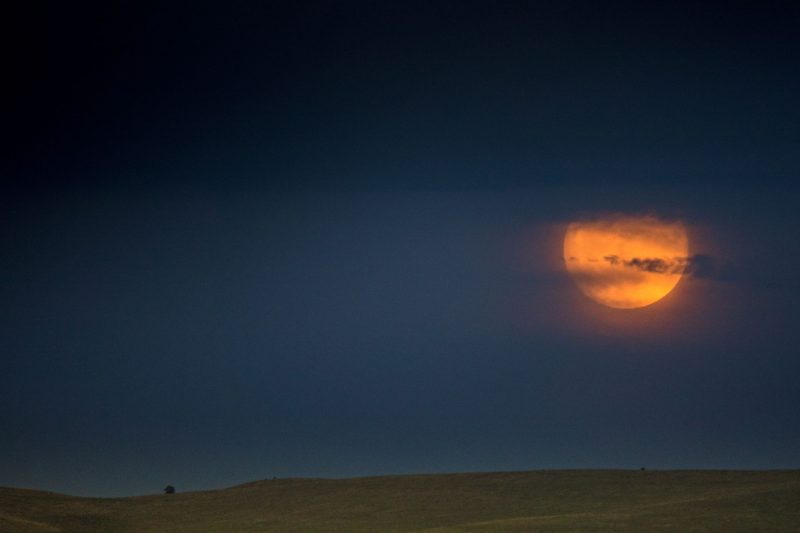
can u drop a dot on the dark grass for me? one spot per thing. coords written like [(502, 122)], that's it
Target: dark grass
[(586, 500)]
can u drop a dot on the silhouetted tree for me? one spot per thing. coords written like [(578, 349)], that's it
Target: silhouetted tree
[(169, 489)]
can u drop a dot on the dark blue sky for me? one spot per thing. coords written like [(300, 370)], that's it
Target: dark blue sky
[(324, 240)]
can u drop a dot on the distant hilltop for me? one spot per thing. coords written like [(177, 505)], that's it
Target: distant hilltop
[(549, 500)]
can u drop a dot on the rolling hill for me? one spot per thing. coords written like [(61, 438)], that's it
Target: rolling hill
[(587, 500)]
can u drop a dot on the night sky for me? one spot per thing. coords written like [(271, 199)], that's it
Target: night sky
[(324, 239)]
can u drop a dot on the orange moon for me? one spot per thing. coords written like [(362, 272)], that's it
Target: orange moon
[(626, 262)]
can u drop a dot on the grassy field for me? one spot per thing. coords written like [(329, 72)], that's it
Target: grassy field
[(588, 500)]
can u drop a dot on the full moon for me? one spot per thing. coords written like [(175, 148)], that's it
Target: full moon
[(626, 262)]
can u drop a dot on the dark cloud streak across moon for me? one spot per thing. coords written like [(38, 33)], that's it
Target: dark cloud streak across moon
[(701, 266)]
